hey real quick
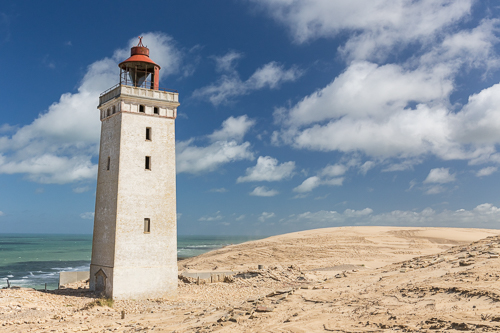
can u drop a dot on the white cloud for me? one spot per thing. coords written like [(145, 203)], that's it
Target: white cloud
[(5, 128), (226, 62), (226, 147), (58, 146), (265, 216), (395, 113), (233, 128), (334, 170), (329, 175), (268, 169), (312, 182), (239, 218), (87, 215), (363, 169), (262, 191), (219, 190), (217, 217), (195, 160), (376, 26), (479, 121), (412, 184), (435, 189), (368, 90), (308, 185), (440, 175), (388, 128), (2, 213), (486, 171), (81, 189), (230, 85), (482, 216), (357, 213)]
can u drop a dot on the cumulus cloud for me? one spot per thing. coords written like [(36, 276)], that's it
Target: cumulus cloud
[(195, 160), (440, 175), (366, 89), (308, 185), (233, 129), (357, 213), (394, 113), (435, 189), (217, 217), (1, 213), (230, 85), (385, 126), (262, 191), (334, 170), (265, 216), (486, 171), (312, 182), (376, 26), (329, 175), (58, 146), (225, 146), (87, 215), (482, 216), (268, 169)]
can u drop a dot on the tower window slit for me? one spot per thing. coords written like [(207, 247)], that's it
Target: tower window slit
[(156, 110), (147, 225), (148, 133), (148, 163), (109, 163), (141, 108)]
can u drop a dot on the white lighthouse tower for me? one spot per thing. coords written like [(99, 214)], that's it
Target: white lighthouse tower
[(134, 248)]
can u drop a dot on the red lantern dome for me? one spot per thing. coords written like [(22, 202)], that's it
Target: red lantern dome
[(139, 70)]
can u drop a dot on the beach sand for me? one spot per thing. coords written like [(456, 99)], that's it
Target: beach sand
[(348, 279)]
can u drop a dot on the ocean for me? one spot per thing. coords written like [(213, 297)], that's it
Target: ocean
[(34, 260)]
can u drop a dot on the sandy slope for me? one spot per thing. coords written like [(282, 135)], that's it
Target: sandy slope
[(369, 246), (414, 279)]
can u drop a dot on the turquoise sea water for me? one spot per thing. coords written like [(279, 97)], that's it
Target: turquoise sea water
[(33, 260)]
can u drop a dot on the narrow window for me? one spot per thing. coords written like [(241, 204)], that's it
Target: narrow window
[(156, 110), (148, 133), (141, 108), (109, 114), (147, 226), (148, 162), (114, 109), (109, 163)]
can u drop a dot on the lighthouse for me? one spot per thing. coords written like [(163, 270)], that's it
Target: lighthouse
[(134, 247)]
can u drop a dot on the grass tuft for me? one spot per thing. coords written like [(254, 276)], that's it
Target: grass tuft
[(100, 302)]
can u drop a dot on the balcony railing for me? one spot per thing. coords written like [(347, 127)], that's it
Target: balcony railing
[(169, 95)]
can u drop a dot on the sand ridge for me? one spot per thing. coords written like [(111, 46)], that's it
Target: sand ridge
[(413, 280)]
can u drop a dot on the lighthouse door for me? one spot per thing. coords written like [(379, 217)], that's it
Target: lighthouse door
[(100, 281)]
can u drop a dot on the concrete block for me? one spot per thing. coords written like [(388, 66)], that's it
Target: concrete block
[(72, 277)]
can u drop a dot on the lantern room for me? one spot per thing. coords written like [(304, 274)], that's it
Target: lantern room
[(139, 70)]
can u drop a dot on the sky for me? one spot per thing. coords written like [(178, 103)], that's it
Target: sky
[(294, 115)]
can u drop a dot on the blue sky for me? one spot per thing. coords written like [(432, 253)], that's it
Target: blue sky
[(294, 114)]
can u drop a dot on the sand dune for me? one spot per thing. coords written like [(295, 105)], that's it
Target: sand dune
[(350, 279), (369, 246)]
